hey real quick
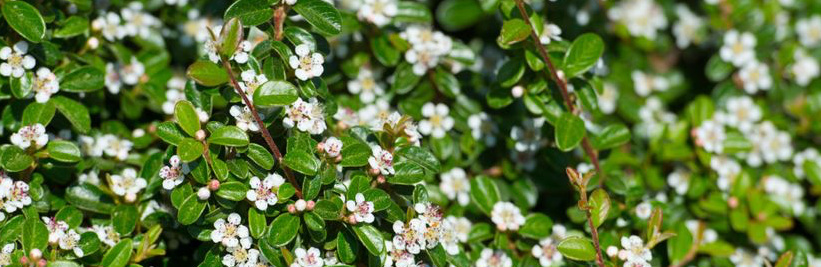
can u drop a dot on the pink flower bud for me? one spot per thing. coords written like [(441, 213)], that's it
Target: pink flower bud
[(351, 219), (320, 147), (311, 205), (35, 254), (338, 159), (213, 185), (374, 172), (381, 179), (200, 135), (732, 202), (41, 263), (291, 209), (24, 260)]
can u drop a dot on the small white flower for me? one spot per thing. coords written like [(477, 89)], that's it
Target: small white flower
[(56, 229), (113, 81), (710, 135), (483, 128), (116, 147), (132, 72), (550, 32), (30, 136), (231, 233), (809, 154), (245, 118), (378, 12), (110, 26), (461, 227), (493, 258), (645, 84), (633, 250), (264, 193), (242, 257), (16, 61), (397, 257), (455, 186), (381, 160), (608, 98), (644, 210), (17, 195), (306, 65), (137, 22), (727, 170), (738, 48), (679, 180), (686, 29), (241, 54), (742, 258), (172, 174), (809, 31), (251, 81), (290, 2), (643, 18), (361, 209), (506, 216), (127, 184), (332, 146), (366, 86), (92, 177), (437, 122), (528, 138), (106, 234), (71, 241), (44, 85), (427, 48), (306, 116), (5, 254), (210, 47), (547, 253), (301, 205), (805, 68), (742, 113), (755, 76), (308, 258), (409, 237)]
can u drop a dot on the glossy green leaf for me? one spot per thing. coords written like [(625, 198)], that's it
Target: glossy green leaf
[(275, 93), (64, 151), (229, 136), (569, 131), (583, 54), (25, 19), (207, 73), (83, 79)]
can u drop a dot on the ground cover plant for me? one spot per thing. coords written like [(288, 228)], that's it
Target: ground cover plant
[(311, 133)]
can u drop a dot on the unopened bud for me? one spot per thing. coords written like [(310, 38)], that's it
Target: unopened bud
[(612, 251), (311, 205), (24, 260), (351, 219), (42, 263), (130, 198), (203, 193), (374, 172), (301, 205), (338, 159), (213, 185), (381, 179), (732, 202), (200, 135), (35, 254), (93, 43), (291, 209), (517, 91), (320, 147)]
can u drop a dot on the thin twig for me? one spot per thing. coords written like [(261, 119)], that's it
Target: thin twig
[(594, 233), (264, 130), (551, 72)]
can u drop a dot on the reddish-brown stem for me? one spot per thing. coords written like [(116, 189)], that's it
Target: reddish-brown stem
[(262, 129), (594, 233), (550, 71), (280, 13)]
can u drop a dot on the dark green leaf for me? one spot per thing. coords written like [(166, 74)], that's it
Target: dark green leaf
[(25, 19)]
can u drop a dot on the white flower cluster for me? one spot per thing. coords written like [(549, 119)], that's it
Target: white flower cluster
[(785, 194), (13, 195), (643, 18), (688, 28), (634, 253), (376, 116), (653, 117), (645, 84), (61, 236), (128, 74), (425, 231), (127, 184), (427, 49), (546, 251), (174, 173), (264, 192), (132, 21), (378, 12), (107, 144), (237, 241), (306, 116), (33, 136)]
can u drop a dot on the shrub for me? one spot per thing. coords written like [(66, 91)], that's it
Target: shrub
[(307, 133)]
